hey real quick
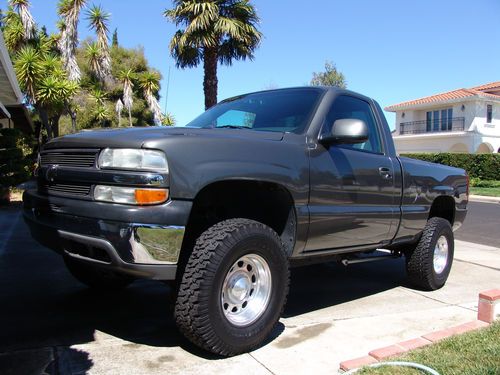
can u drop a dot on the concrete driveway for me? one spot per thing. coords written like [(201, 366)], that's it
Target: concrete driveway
[(49, 323)]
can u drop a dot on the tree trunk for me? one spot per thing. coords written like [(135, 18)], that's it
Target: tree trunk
[(44, 118), (54, 123), (129, 117), (210, 78), (72, 114)]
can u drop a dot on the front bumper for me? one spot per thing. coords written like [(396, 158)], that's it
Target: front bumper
[(144, 242)]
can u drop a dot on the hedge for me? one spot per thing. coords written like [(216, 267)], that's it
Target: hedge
[(482, 166)]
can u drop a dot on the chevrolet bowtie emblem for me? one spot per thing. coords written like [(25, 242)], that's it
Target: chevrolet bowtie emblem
[(51, 173)]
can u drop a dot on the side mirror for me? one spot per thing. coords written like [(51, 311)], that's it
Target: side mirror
[(346, 131)]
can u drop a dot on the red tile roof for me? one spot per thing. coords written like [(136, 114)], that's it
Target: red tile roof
[(479, 91), (488, 87)]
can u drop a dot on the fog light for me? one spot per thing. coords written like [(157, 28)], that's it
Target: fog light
[(130, 195)]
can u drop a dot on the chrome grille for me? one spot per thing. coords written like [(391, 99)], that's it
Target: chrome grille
[(77, 158), (71, 189)]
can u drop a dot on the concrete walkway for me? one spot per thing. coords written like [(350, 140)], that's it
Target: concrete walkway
[(49, 322), (484, 198)]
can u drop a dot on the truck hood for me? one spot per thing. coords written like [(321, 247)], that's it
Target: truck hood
[(137, 137)]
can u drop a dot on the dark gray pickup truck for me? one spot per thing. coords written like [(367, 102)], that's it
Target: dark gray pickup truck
[(224, 206)]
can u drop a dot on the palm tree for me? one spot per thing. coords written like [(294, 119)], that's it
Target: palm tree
[(69, 10), (13, 30), (214, 31), (101, 115), (44, 82), (22, 7), (29, 71), (149, 82), (99, 96), (168, 119), (94, 57), (119, 109), (127, 77), (52, 94), (99, 22)]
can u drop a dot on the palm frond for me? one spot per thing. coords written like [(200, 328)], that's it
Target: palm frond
[(22, 7), (29, 71), (13, 31), (98, 21), (69, 10)]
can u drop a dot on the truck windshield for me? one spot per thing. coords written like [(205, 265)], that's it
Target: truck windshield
[(278, 111)]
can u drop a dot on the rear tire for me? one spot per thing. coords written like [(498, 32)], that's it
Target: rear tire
[(234, 287), (97, 278), (429, 264)]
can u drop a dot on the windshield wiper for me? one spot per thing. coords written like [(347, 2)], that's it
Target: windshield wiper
[(234, 127)]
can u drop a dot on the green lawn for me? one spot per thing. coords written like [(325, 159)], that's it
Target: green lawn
[(473, 353), (492, 192)]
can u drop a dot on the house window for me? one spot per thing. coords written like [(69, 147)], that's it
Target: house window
[(489, 113), (441, 120), (444, 119), (435, 123)]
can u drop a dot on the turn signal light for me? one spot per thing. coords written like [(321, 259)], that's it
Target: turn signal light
[(151, 196), (130, 195)]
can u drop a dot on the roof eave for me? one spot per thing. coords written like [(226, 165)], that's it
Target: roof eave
[(471, 98), (9, 70)]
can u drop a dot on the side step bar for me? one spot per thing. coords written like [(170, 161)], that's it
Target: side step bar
[(348, 261)]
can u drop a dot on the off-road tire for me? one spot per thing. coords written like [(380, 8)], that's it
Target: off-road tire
[(95, 277), (199, 312), (419, 261)]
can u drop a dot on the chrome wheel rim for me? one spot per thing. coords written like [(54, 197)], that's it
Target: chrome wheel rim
[(246, 290), (440, 255)]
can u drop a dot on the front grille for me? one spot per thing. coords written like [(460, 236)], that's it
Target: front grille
[(71, 189), (73, 158)]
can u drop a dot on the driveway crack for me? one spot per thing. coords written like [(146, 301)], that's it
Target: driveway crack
[(260, 363)]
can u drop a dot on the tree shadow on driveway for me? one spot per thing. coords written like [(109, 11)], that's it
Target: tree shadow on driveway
[(44, 307)]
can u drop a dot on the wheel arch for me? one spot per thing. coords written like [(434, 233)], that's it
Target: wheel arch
[(267, 202), (443, 207)]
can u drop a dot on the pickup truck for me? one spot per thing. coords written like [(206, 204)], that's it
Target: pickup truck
[(224, 206)]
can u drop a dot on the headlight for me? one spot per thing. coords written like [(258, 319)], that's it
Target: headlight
[(130, 195), (130, 158)]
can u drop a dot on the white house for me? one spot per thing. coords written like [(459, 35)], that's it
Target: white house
[(463, 120), (13, 113)]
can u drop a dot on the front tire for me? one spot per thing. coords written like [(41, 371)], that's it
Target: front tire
[(428, 265), (234, 287), (96, 278)]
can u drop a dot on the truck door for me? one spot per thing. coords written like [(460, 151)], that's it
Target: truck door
[(353, 197)]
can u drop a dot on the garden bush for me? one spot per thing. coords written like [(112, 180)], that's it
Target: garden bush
[(481, 166), (16, 158)]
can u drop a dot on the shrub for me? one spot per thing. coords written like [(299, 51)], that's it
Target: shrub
[(16, 158), (482, 166)]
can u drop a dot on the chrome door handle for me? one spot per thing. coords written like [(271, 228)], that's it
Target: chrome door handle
[(385, 172)]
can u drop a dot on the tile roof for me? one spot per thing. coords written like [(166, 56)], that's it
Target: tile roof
[(488, 86), (479, 91)]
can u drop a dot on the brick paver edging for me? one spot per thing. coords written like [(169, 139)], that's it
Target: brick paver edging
[(488, 310)]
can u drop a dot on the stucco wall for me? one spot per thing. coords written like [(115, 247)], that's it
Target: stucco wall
[(491, 129), (477, 131)]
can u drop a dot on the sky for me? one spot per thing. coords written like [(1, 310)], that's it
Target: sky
[(390, 50)]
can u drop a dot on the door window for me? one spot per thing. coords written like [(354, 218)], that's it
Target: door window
[(348, 107)]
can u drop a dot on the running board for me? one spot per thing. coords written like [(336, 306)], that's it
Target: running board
[(347, 262)]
